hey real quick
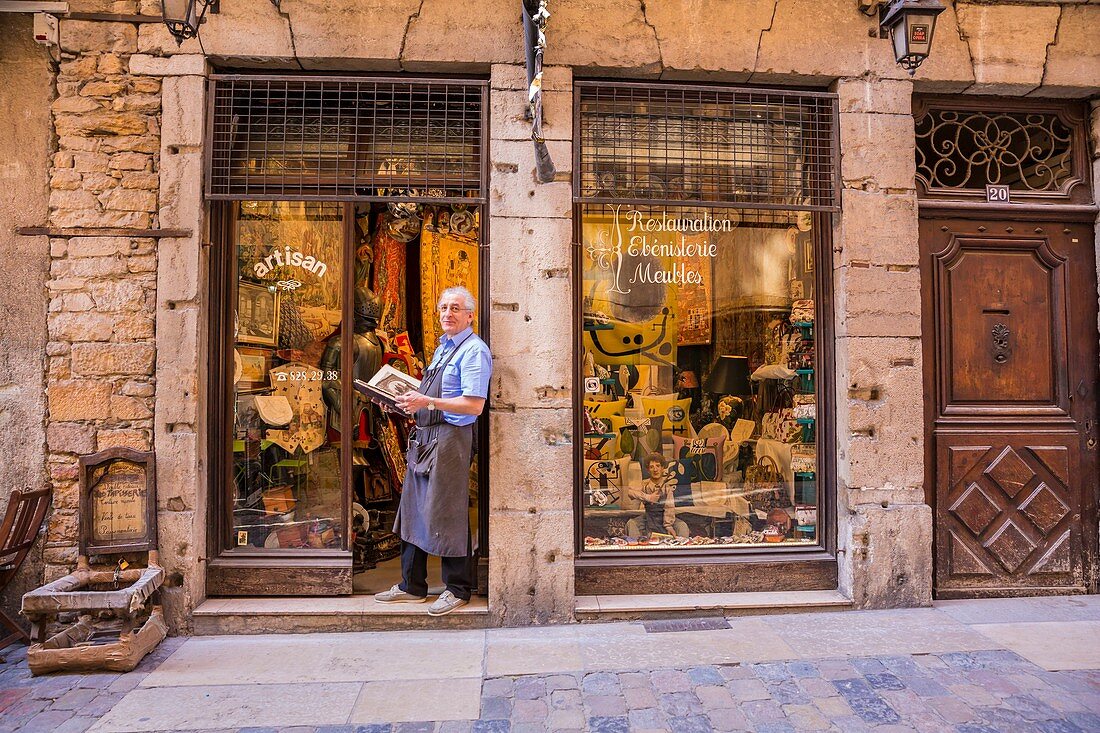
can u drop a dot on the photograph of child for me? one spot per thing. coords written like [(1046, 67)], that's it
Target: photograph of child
[(656, 495)]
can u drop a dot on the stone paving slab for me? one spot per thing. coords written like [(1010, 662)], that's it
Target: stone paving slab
[(1022, 610), (1053, 645)]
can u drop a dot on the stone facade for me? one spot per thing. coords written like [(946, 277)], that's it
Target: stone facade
[(126, 313)]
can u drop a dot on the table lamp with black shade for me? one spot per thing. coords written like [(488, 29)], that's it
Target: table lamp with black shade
[(729, 378)]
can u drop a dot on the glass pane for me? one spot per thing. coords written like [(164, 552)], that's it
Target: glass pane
[(699, 378), (286, 490)]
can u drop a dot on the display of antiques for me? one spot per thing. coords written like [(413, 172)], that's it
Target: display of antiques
[(292, 401), (698, 352), (106, 615)]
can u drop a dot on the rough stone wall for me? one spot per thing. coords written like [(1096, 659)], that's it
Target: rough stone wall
[(25, 146), (531, 419)]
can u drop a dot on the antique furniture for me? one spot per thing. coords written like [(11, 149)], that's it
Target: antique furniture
[(110, 616), (26, 511)]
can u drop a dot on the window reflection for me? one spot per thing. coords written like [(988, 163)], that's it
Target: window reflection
[(699, 377)]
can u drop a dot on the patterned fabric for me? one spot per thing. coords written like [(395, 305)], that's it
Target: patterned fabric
[(389, 280)]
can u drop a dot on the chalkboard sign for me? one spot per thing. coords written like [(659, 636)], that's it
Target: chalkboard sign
[(118, 502)]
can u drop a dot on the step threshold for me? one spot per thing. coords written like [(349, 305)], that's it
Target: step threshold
[(265, 615), (604, 607)]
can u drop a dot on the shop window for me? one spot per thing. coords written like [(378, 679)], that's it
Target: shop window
[(304, 442), (701, 216)]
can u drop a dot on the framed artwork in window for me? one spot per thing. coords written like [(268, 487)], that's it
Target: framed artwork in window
[(257, 315)]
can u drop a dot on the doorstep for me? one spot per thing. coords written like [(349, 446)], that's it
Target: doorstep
[(269, 615), (679, 605)]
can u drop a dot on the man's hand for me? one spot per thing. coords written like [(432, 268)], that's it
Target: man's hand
[(411, 401)]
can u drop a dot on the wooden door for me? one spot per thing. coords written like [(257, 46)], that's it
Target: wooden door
[(1010, 355)]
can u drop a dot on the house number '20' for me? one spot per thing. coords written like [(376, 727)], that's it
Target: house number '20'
[(997, 194)]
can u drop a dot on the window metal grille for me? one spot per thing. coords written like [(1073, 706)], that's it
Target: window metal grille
[(676, 145), (279, 137), (965, 149)]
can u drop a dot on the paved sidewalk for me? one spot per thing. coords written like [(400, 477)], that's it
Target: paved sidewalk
[(967, 666)]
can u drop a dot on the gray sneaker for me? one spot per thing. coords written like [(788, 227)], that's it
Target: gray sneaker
[(396, 595), (446, 603)]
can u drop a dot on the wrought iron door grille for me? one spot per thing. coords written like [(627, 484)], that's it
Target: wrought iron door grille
[(279, 137), (704, 145), (968, 149)]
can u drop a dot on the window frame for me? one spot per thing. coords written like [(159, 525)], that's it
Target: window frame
[(799, 567)]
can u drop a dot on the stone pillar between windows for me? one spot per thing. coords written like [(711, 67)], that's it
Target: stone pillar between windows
[(530, 286), (885, 526)]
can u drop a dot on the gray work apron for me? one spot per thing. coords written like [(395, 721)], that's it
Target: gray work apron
[(434, 509)]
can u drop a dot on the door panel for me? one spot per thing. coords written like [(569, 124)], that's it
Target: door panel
[(1010, 348)]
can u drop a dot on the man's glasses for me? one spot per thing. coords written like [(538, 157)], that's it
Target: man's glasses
[(452, 309)]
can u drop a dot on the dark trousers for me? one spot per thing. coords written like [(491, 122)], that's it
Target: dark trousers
[(458, 573)]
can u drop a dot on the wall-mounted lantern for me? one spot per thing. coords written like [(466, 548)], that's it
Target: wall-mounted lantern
[(909, 24), (183, 17)]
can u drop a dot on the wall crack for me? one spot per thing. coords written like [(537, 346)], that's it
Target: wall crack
[(290, 28), (1053, 42), (656, 38), (760, 41), (405, 35)]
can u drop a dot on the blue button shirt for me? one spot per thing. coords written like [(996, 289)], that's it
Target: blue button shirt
[(467, 374)]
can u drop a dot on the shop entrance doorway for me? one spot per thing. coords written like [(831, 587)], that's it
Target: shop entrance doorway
[(1010, 355)]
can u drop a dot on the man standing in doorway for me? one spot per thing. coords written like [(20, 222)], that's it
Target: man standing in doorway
[(433, 517)]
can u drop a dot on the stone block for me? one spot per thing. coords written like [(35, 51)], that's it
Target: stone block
[(90, 266), (93, 218), (178, 65), (130, 162), (184, 104), (135, 327), (88, 162), (534, 247), (508, 115), (177, 365), (531, 568), (1073, 62), (65, 179), (513, 189), (97, 37), (111, 64), (873, 95), (62, 527), (491, 34), (79, 400), (177, 468), (1008, 45), (66, 437), (692, 36), (102, 359), (877, 151), (125, 438), (99, 182), (181, 176), (72, 200), (74, 105), (245, 30), (531, 345), (129, 408), (142, 181), (880, 419), (121, 295), (131, 143), (98, 246), (101, 123), (180, 540), (530, 466), (100, 88), (877, 301), (85, 326), (890, 554), (878, 228), (793, 43), (130, 200), (586, 45), (80, 68), (148, 103)]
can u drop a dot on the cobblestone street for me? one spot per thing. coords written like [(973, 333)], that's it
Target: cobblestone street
[(357, 682)]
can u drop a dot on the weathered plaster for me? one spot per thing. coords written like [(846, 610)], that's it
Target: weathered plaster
[(25, 141)]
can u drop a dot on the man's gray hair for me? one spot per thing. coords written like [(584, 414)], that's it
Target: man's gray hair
[(467, 297)]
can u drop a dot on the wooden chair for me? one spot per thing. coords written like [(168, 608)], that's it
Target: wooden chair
[(26, 511)]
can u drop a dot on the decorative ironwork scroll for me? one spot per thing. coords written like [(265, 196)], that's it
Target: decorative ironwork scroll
[(969, 149)]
